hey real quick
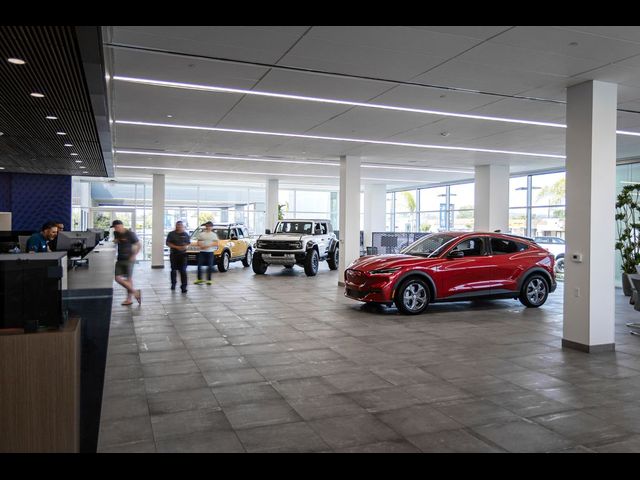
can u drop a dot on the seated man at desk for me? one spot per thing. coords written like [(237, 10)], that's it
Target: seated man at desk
[(39, 242), (53, 244)]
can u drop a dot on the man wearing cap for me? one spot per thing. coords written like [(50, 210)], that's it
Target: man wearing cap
[(128, 248), (208, 243), (178, 241)]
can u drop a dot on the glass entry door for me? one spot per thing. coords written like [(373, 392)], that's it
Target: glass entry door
[(103, 218)]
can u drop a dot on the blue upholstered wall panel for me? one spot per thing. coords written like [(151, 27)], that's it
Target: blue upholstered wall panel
[(35, 199), (5, 192)]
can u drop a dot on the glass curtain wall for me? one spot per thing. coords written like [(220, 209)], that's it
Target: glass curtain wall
[(432, 209), (537, 205), (295, 203)]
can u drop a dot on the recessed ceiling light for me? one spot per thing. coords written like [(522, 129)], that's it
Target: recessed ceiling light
[(78, 161), (82, 166), (1, 168), (339, 139), (1, 133), (51, 117), (85, 172), (445, 134), (74, 154), (68, 145), (169, 116), (16, 61), (60, 133), (37, 95)]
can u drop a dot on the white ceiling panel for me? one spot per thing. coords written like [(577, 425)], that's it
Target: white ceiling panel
[(250, 43), (395, 38), (617, 73), (433, 99), (153, 104), (372, 124), (478, 32), (487, 78), (277, 115), (460, 132), (323, 86), (157, 66), (527, 60), (558, 41), (329, 55), (524, 110), (618, 32)]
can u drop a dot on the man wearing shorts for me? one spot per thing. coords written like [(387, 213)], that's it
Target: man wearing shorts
[(128, 248)]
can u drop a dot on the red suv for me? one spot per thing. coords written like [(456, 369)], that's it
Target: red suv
[(453, 266)]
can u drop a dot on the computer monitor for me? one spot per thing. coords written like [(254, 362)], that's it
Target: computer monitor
[(101, 234), (90, 238), (67, 240)]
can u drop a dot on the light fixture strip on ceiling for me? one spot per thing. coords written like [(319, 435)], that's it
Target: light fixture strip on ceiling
[(302, 162), (339, 139), (212, 88), (269, 174)]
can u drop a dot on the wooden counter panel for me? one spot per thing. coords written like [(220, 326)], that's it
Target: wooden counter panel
[(40, 390)]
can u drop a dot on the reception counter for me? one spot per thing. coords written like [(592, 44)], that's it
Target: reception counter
[(40, 394), (89, 296)]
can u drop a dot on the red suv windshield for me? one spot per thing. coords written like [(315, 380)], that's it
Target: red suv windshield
[(429, 246)]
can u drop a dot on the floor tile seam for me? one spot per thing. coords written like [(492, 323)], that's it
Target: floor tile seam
[(522, 419)]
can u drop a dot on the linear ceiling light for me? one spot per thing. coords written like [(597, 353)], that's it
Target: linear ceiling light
[(270, 174), (223, 157), (211, 88), (339, 139), (302, 162)]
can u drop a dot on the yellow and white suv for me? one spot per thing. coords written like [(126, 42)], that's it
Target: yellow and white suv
[(234, 245)]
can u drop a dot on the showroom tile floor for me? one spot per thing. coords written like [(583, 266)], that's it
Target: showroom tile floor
[(285, 363)]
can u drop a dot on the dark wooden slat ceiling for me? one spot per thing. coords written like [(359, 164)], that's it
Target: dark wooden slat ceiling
[(29, 143)]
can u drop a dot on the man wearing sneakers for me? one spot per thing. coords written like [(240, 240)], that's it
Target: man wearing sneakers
[(208, 243), (128, 248), (178, 241)]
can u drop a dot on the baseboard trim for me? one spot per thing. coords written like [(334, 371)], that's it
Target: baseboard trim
[(605, 347)]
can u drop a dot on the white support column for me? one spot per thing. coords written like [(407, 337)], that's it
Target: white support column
[(349, 213), (491, 209), (589, 301), (157, 217), (271, 217), (375, 204)]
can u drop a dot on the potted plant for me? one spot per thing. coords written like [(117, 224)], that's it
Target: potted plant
[(628, 226)]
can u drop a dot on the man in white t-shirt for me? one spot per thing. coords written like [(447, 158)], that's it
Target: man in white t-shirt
[(208, 243)]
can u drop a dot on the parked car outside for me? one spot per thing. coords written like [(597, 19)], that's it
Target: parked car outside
[(453, 266), (555, 245)]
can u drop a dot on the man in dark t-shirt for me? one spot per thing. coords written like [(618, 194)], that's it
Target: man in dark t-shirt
[(178, 241), (128, 247), (39, 242)]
